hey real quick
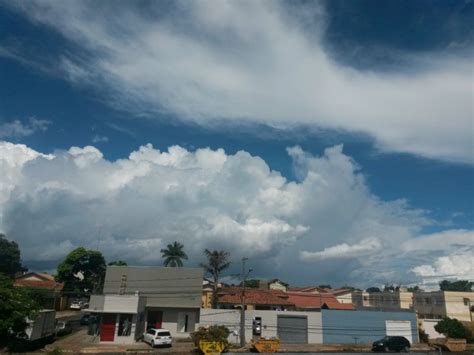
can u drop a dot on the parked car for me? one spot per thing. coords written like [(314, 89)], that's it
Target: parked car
[(63, 327), (391, 343), (156, 337), (86, 319), (78, 305)]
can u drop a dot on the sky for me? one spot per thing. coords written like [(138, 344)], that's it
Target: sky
[(327, 141)]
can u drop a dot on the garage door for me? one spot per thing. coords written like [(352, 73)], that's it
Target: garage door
[(292, 329), (399, 328)]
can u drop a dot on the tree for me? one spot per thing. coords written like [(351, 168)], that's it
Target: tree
[(217, 261), (391, 288), (174, 255), (414, 289), (252, 283), (82, 271), (16, 306), (460, 285), (10, 259), (118, 263), (325, 286), (373, 290), (452, 328)]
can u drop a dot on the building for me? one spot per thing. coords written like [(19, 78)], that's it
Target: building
[(255, 299), (366, 326), (306, 301), (343, 295), (440, 304), (316, 327), (51, 290), (386, 300), (138, 298)]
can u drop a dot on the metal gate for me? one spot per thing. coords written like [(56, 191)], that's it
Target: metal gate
[(292, 329), (399, 328)]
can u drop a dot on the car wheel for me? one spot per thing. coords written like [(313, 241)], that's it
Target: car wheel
[(152, 343), (406, 349), (386, 349)]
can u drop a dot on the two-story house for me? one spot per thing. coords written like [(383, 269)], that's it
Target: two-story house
[(136, 298)]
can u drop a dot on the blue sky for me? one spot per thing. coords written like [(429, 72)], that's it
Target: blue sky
[(208, 75)]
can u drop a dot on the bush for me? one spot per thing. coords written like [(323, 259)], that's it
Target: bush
[(452, 328), (217, 333)]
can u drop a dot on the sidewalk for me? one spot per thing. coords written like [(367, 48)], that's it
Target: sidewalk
[(81, 343)]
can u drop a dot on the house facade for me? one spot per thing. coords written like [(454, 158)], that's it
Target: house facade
[(51, 290), (386, 300), (135, 299), (440, 304)]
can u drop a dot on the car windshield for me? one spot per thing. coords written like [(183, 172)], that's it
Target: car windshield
[(164, 334)]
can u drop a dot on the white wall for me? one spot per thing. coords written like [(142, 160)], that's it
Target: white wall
[(173, 318), (428, 326), (231, 319)]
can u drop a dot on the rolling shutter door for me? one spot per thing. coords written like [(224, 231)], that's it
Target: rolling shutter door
[(292, 329), (399, 328)]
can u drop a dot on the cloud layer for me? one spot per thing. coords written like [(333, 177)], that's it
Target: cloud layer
[(132, 207), (19, 129), (261, 61)]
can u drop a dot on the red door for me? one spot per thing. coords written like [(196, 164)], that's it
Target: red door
[(107, 327), (154, 319)]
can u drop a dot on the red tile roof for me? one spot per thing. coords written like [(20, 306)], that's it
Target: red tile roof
[(306, 300), (341, 291), (232, 295), (43, 280)]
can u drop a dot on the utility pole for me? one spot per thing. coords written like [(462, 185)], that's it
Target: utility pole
[(243, 277)]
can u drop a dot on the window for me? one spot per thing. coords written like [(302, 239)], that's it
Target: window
[(125, 325), (151, 332), (428, 300), (164, 334)]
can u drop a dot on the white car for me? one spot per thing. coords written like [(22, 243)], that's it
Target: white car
[(156, 337), (78, 305)]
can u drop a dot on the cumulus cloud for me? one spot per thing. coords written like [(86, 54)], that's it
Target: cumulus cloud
[(132, 207), (456, 266), (259, 61), (18, 129)]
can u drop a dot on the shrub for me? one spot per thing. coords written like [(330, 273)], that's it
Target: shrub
[(217, 333), (452, 328)]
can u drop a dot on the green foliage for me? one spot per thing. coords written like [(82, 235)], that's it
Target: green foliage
[(217, 261), (118, 263), (452, 328), (325, 286), (10, 259), (56, 351), (41, 296), (414, 289), (252, 283), (174, 255), (217, 333), (391, 288), (88, 263), (460, 285), (373, 290), (15, 307)]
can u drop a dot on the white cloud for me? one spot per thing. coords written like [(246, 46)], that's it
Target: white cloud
[(456, 266), (257, 61), (100, 139), (18, 129), (130, 208), (344, 250)]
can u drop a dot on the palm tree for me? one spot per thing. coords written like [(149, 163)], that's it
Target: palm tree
[(174, 255), (217, 261)]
